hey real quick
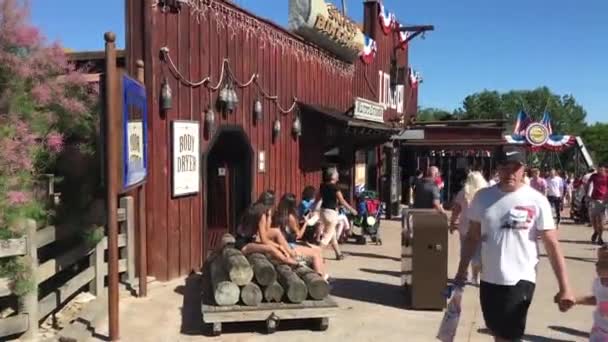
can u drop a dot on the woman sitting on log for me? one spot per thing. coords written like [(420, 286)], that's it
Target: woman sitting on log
[(285, 219), (254, 234)]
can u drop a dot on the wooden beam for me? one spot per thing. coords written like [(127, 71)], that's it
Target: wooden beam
[(5, 287), (13, 325), (13, 247)]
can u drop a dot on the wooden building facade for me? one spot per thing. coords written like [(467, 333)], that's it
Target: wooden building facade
[(192, 50)]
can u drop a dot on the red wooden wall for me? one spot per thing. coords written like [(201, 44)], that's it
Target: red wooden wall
[(293, 68)]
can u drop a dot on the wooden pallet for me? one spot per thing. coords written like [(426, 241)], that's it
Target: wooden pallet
[(271, 313)]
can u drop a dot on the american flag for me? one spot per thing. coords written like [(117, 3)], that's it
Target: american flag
[(546, 121), (523, 120)]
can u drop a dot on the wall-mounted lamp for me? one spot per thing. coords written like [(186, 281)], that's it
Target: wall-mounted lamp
[(173, 6)]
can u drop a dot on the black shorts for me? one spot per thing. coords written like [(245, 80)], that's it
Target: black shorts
[(505, 307)]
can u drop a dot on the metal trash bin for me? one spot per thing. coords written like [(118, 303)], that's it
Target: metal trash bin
[(424, 258)]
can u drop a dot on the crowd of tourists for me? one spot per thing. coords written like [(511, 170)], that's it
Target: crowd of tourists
[(500, 222), (295, 233)]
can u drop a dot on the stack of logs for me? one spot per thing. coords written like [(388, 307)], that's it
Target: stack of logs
[(256, 278)]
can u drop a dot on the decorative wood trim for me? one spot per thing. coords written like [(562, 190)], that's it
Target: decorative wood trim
[(13, 247)]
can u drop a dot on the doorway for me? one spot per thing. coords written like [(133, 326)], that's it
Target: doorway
[(229, 183)]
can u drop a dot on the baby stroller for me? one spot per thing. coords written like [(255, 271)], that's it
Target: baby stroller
[(579, 206), (367, 222)]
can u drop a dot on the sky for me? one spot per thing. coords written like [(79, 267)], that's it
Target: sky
[(476, 45)]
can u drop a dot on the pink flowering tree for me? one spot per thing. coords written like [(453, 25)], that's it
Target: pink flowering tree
[(44, 104)]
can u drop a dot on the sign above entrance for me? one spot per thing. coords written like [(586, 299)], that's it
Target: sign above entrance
[(323, 24), (368, 110), (186, 157)]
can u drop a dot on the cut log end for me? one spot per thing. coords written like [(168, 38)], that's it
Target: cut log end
[(251, 295), (274, 292), (226, 293)]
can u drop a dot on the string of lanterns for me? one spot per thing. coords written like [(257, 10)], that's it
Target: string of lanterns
[(228, 98)]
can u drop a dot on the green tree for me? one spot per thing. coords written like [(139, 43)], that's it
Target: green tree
[(595, 138), (433, 114), (568, 117)]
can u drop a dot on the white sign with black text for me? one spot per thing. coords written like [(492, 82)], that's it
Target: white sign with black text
[(393, 99), (186, 157), (368, 110)]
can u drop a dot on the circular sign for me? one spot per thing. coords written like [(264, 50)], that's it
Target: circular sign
[(537, 134)]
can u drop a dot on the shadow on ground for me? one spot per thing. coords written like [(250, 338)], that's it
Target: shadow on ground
[(529, 337), (192, 317), (570, 331), (371, 255), (369, 292), (383, 272)]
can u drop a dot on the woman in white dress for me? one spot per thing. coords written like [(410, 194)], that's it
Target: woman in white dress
[(459, 220)]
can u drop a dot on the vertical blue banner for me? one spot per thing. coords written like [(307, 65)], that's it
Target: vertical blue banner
[(135, 123)]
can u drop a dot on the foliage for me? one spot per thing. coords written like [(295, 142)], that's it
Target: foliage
[(45, 105), (595, 138), (19, 272), (433, 114), (568, 117)]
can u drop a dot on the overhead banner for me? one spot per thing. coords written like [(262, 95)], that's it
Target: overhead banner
[(324, 25)]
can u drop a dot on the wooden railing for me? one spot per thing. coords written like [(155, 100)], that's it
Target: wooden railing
[(31, 309)]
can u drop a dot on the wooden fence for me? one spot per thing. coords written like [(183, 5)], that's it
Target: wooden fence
[(31, 308)]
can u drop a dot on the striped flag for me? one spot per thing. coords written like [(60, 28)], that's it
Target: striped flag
[(547, 122), (523, 120)]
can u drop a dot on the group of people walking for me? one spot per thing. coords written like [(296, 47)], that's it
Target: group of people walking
[(279, 230), (500, 224)]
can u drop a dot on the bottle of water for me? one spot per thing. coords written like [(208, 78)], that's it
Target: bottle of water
[(449, 323)]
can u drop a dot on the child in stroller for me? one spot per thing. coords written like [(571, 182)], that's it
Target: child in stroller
[(367, 222)]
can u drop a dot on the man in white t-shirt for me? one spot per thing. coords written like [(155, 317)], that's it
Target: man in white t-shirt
[(555, 194), (507, 219)]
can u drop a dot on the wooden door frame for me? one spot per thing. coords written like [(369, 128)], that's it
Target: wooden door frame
[(205, 163)]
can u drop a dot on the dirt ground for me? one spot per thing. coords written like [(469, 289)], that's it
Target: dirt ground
[(367, 288)]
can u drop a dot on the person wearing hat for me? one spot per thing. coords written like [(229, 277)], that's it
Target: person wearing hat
[(599, 297), (506, 219)]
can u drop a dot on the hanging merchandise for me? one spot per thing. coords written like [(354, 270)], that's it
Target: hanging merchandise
[(370, 48)]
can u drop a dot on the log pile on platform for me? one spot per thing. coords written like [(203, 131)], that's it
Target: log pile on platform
[(255, 279)]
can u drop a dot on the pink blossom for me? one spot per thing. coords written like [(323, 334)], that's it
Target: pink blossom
[(54, 141), (27, 36), (73, 105), (17, 197), (42, 93), (75, 78)]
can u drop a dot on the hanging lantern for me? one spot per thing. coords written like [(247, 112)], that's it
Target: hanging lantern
[(210, 120), (235, 97), (276, 128), (257, 110), (224, 96), (165, 95), (297, 126)]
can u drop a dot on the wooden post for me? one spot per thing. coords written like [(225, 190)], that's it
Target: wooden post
[(112, 138), (29, 302), (96, 260), (141, 204), (127, 203)]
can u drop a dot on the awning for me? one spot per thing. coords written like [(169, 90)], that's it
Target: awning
[(353, 126)]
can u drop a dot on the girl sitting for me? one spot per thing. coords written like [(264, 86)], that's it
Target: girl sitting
[(285, 219), (255, 235)]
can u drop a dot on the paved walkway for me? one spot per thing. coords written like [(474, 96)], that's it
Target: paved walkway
[(370, 298)]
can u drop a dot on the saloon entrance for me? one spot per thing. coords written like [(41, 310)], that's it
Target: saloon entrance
[(229, 183)]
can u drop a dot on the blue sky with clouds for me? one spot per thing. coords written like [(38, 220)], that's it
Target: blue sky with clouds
[(477, 44)]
